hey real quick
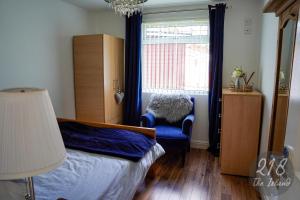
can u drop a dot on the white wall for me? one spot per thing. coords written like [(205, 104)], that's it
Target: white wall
[(242, 49), (108, 22), (36, 47), (267, 72)]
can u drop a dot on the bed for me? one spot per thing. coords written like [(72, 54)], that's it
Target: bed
[(91, 176)]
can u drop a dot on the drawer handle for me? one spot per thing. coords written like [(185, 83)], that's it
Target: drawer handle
[(219, 130)]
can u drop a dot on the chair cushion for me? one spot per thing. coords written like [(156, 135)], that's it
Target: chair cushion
[(171, 138), (169, 133)]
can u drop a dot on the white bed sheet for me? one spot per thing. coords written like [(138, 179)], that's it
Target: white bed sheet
[(88, 176)]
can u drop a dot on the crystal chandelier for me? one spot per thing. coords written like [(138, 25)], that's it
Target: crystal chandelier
[(127, 7)]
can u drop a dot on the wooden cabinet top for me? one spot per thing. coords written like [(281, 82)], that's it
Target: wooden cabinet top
[(95, 36), (227, 91), (278, 6)]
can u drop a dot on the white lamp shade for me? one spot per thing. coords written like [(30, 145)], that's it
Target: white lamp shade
[(30, 139)]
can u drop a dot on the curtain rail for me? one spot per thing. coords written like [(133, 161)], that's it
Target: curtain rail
[(184, 10)]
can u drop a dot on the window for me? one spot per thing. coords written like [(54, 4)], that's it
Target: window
[(175, 56)]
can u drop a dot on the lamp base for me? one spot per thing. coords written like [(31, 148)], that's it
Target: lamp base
[(30, 189)]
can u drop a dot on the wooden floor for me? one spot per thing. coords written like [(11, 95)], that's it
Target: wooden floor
[(200, 179)]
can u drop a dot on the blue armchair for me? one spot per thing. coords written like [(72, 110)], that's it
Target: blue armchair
[(172, 136)]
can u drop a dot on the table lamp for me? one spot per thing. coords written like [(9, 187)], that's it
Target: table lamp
[(30, 139)]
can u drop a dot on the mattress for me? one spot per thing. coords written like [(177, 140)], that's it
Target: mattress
[(88, 176)]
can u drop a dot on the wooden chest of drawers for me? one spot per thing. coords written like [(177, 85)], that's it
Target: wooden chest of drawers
[(241, 116)]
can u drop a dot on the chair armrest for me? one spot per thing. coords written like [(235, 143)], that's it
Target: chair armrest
[(148, 120), (187, 124)]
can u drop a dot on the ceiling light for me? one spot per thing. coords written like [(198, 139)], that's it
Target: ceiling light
[(127, 7)]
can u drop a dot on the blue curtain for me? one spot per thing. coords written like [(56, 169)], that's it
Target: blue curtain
[(216, 22), (133, 71)]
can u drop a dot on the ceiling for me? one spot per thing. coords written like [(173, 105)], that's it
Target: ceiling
[(101, 5)]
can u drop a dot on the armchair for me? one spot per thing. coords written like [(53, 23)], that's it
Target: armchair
[(172, 136)]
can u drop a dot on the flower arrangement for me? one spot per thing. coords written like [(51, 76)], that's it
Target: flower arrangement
[(238, 73)]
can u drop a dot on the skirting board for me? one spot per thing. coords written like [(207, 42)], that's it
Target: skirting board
[(199, 144)]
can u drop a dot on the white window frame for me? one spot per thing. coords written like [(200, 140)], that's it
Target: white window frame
[(176, 16)]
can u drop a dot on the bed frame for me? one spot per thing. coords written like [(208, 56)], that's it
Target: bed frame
[(150, 132)]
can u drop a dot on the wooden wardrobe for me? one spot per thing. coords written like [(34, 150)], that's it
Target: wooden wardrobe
[(241, 115), (98, 75)]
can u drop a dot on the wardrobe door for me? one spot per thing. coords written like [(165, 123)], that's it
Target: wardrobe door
[(113, 77), (119, 77), (109, 77), (88, 77)]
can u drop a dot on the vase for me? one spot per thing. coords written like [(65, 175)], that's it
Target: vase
[(237, 83)]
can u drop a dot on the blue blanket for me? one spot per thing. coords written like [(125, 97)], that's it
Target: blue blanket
[(112, 142)]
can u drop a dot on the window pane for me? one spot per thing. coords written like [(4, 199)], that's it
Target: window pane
[(175, 55)]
